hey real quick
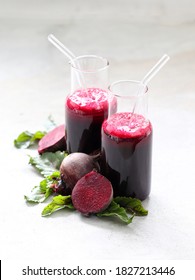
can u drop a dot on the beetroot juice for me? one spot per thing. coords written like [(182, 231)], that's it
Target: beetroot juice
[(127, 154), (85, 110)]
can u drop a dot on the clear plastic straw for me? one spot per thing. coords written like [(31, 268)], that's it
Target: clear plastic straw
[(61, 47), (153, 71)]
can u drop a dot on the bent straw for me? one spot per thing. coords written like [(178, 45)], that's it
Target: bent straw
[(61, 47)]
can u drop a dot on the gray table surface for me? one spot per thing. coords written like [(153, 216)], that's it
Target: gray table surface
[(34, 81)]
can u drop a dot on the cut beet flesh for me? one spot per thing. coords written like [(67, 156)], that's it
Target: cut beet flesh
[(53, 141), (92, 194)]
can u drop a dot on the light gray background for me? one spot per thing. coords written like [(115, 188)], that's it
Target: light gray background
[(34, 80)]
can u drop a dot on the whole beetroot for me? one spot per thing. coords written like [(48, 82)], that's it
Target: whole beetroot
[(75, 166), (92, 194)]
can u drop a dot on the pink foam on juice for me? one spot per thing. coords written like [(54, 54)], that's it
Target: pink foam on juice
[(85, 111), (125, 125), (88, 101)]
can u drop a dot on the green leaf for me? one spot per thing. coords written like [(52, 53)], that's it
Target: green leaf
[(44, 190), (59, 202), (132, 205), (37, 136), (50, 124), (37, 195), (27, 139), (114, 209), (48, 162)]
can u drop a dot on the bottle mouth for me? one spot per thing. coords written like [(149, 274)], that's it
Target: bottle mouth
[(128, 88), (89, 63)]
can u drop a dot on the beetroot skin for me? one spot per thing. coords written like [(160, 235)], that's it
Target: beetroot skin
[(92, 194), (53, 141), (75, 166)]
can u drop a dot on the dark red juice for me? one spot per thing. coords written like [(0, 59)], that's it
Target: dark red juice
[(85, 110), (127, 154)]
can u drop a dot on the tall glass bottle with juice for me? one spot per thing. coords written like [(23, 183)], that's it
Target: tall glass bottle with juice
[(86, 106), (127, 141)]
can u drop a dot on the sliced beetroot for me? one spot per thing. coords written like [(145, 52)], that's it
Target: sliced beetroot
[(75, 166), (53, 141), (92, 194)]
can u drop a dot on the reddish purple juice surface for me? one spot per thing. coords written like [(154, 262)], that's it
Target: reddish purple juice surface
[(85, 110), (127, 154)]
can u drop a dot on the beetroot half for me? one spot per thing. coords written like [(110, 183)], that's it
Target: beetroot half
[(92, 194), (75, 166), (53, 141)]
